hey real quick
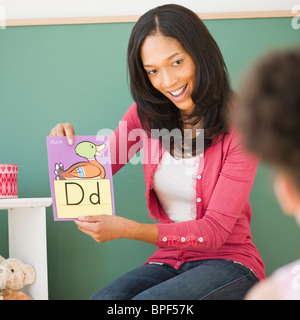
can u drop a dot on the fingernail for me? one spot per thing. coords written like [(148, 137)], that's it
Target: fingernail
[(70, 141)]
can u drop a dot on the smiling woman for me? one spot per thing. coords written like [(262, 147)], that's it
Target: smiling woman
[(185, 69), (179, 80)]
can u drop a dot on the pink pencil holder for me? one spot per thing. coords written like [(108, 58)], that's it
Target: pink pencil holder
[(8, 181)]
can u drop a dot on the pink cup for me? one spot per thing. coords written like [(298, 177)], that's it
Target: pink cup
[(8, 181)]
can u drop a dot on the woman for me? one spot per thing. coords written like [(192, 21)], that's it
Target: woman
[(205, 250), (268, 116)]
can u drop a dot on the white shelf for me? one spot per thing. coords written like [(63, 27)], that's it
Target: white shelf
[(27, 238), (6, 204)]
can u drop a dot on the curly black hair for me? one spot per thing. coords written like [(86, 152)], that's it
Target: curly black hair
[(268, 110)]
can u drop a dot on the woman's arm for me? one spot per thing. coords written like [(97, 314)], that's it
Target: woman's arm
[(126, 140), (104, 228)]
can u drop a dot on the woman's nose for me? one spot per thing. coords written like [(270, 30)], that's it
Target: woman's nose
[(168, 80)]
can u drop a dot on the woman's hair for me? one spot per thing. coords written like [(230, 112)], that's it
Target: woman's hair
[(212, 90), (268, 111)]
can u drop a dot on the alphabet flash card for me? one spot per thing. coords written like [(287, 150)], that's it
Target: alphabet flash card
[(80, 176)]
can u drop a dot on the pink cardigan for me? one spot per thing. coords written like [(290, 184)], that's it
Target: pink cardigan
[(223, 184)]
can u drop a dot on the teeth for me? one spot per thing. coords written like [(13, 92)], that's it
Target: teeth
[(178, 92)]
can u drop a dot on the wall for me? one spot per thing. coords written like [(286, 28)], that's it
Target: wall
[(26, 9), (77, 73)]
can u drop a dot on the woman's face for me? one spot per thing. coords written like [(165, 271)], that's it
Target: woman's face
[(170, 69)]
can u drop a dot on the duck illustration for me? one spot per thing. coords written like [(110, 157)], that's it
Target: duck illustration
[(86, 169)]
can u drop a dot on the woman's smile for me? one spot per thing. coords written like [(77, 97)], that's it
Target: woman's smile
[(179, 92)]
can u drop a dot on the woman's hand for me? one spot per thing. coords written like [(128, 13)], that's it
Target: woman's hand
[(64, 129), (104, 227)]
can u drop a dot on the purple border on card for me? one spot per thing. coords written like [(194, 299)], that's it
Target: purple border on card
[(59, 151)]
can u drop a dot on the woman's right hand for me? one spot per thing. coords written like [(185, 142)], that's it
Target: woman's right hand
[(64, 129)]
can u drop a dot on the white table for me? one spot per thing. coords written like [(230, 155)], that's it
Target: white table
[(27, 238)]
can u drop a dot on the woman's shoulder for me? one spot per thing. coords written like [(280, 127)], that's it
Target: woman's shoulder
[(233, 145), (231, 138), (132, 111), (131, 117)]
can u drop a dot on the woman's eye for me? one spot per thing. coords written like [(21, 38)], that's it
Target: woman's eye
[(177, 62), (151, 72)]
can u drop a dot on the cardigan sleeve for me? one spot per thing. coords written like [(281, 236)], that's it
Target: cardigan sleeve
[(126, 140), (227, 212)]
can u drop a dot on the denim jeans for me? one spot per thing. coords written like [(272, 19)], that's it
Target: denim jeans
[(198, 280)]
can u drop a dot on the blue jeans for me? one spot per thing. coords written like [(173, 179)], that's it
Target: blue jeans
[(197, 280)]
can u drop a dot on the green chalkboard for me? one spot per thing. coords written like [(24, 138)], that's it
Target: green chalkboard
[(78, 73)]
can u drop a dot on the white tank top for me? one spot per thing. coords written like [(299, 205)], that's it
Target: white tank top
[(173, 185)]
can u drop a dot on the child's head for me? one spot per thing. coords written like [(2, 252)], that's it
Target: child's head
[(268, 116)]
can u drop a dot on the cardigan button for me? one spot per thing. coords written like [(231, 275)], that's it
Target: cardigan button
[(198, 199), (164, 239), (199, 176)]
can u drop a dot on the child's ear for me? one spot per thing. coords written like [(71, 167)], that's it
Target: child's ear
[(287, 194)]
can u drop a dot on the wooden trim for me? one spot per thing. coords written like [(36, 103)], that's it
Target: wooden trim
[(246, 15), (72, 20), (134, 18)]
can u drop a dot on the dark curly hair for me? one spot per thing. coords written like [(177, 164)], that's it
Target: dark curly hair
[(268, 111), (212, 88)]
